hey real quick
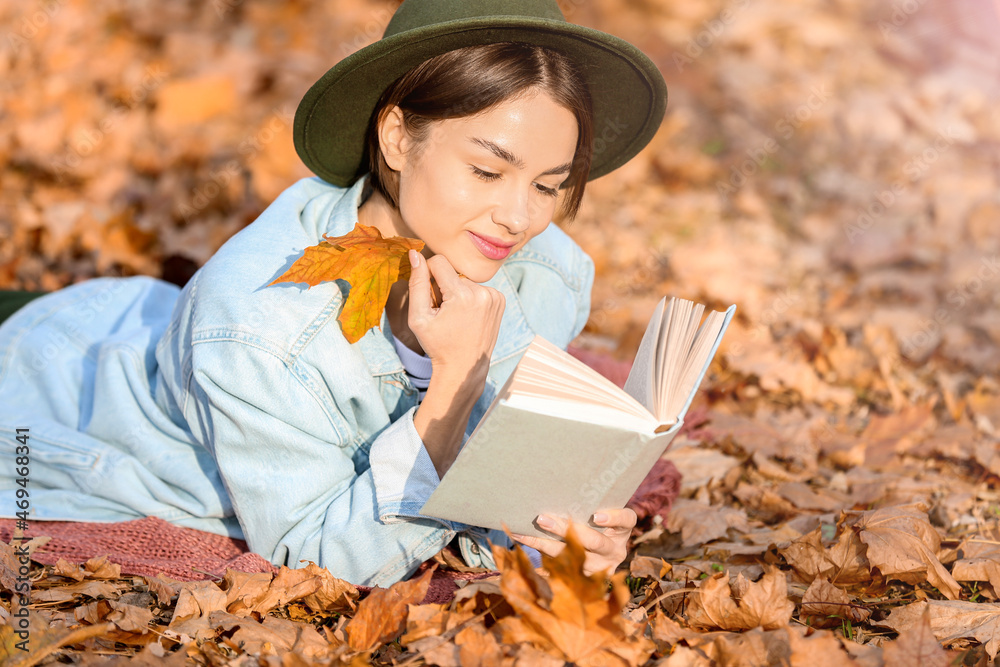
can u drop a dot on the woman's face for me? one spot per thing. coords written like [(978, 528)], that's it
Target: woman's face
[(478, 188)]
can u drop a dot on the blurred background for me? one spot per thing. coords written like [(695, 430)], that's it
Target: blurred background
[(830, 166)]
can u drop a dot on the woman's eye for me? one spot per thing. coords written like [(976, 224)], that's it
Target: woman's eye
[(492, 176), (485, 175), (549, 192)]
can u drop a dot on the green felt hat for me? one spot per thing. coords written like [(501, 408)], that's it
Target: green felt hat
[(628, 92)]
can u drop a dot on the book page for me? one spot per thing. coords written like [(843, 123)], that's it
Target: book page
[(639, 384), (712, 339), (548, 373), (673, 356)]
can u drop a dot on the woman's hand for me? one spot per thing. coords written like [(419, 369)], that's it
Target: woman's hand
[(460, 333), (606, 548)]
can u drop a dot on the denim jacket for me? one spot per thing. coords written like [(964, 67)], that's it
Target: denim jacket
[(238, 408)]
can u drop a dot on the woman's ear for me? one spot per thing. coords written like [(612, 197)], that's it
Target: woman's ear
[(394, 139)]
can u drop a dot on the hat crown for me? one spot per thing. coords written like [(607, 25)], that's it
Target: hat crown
[(413, 14)]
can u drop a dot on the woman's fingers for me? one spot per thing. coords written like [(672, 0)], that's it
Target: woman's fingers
[(544, 545), (444, 273), (591, 539), (622, 519), (420, 286)]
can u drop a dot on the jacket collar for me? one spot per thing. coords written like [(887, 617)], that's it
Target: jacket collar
[(515, 333)]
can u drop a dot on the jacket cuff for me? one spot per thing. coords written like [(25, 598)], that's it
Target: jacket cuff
[(403, 474), (483, 557)]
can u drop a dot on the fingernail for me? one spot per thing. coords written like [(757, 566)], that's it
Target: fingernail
[(545, 522), (600, 517), (414, 258)]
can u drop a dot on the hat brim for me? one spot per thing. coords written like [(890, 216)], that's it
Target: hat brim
[(628, 92)]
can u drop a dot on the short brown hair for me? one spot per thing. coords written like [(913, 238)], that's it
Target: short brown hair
[(472, 79)]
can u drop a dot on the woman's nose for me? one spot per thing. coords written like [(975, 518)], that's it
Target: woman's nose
[(513, 212)]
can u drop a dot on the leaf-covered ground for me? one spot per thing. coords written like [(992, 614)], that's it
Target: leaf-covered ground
[(832, 167)]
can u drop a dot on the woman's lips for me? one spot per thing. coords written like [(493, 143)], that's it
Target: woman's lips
[(491, 248)]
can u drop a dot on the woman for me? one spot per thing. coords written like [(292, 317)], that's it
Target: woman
[(241, 409)]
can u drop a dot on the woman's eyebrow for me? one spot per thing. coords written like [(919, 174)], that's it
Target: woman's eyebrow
[(510, 158)]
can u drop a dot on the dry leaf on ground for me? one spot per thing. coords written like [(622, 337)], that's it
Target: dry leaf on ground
[(824, 606), (699, 523), (381, 616), (903, 545), (763, 604), (917, 647), (951, 620), (569, 615), (843, 563)]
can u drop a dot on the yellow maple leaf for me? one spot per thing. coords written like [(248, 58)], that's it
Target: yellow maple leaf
[(568, 614), (367, 261)]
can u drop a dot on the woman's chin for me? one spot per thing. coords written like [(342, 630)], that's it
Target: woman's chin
[(480, 274)]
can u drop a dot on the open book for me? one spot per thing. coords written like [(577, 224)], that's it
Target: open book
[(560, 438)]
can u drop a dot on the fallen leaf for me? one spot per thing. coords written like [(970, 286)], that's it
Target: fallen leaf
[(288, 585), (64, 568), (755, 647), (843, 563), (804, 497), (42, 640), (764, 504), (903, 545), (818, 649), (916, 647), (273, 636), (824, 606), (477, 647), (244, 589), (130, 618), (101, 568), (93, 612), (895, 433), (332, 594), (368, 262), (569, 615), (699, 523), (381, 616), (8, 567), (162, 589), (197, 600), (763, 604), (89, 587), (980, 562), (951, 620)]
